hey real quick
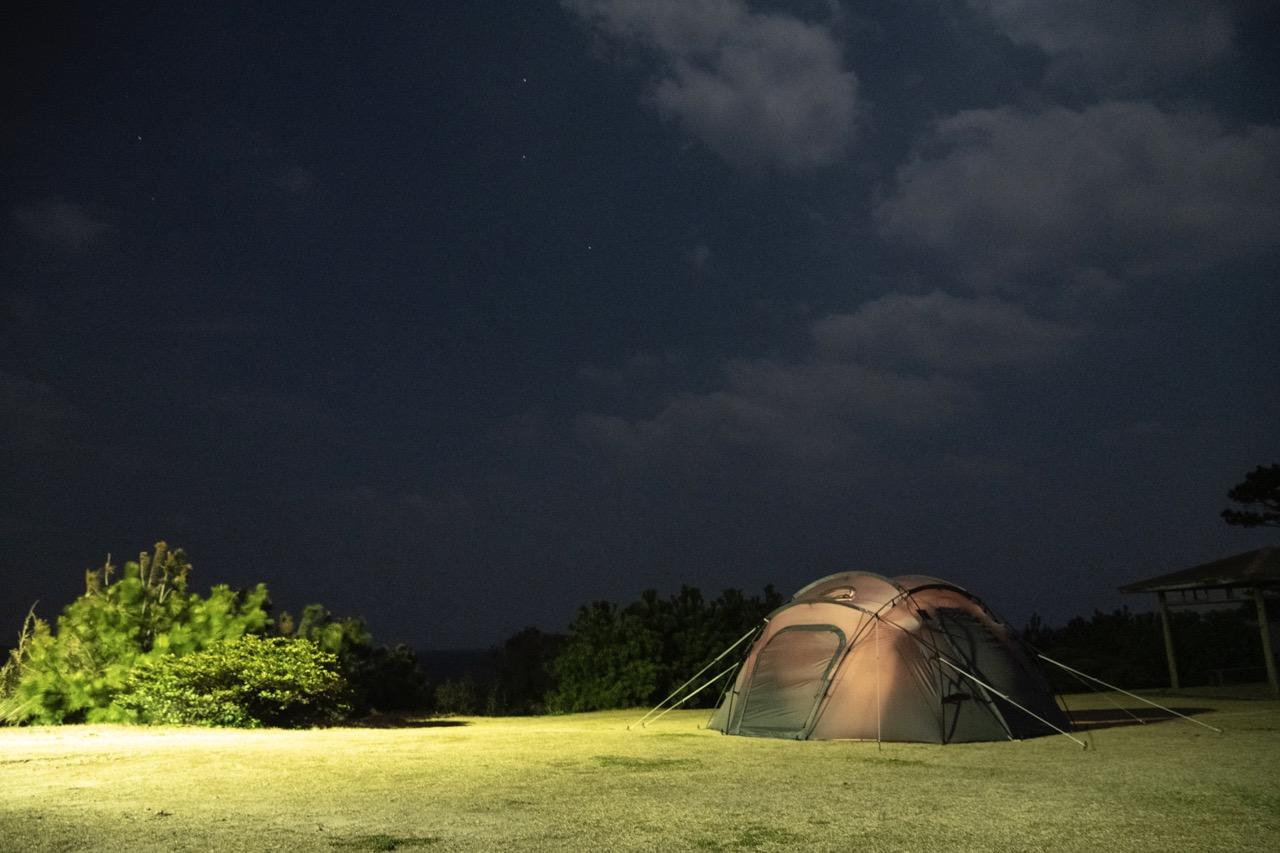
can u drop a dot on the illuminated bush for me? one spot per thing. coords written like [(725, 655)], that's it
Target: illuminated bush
[(76, 673), (247, 682), (83, 669)]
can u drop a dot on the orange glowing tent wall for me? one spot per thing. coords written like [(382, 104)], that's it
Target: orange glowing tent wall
[(913, 658)]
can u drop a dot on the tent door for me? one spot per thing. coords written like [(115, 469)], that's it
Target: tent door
[(789, 680)]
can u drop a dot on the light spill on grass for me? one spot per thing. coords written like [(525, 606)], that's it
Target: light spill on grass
[(584, 782)]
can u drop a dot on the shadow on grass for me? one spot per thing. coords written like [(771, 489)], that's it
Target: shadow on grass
[(405, 721), (1111, 718), (630, 762), (382, 842)]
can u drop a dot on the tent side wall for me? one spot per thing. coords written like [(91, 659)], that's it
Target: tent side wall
[(886, 689), (968, 635)]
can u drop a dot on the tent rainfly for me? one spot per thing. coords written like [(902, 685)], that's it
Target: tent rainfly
[(913, 658)]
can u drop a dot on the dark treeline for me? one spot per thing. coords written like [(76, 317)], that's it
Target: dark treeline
[(619, 656), (141, 646), (1127, 649), (612, 656), (514, 678)]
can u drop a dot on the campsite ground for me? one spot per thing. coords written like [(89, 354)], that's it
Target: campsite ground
[(583, 782)]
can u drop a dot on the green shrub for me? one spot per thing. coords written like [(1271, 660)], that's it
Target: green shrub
[(610, 660), (247, 682), (382, 678), (459, 696), (618, 657), (76, 673)]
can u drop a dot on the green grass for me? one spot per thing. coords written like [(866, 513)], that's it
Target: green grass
[(584, 782)]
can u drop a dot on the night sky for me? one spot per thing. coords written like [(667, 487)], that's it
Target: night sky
[(457, 316)]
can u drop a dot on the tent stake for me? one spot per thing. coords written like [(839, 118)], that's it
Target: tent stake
[(714, 660), (991, 689), (1127, 693)]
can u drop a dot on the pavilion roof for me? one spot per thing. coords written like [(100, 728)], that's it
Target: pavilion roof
[(1260, 568)]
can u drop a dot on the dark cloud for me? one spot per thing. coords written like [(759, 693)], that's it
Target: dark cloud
[(760, 89), (1024, 198), (33, 415), (59, 223), (1117, 44), (295, 180), (999, 306), (264, 409), (898, 362), (810, 411), (941, 333), (229, 326), (700, 257), (434, 510)]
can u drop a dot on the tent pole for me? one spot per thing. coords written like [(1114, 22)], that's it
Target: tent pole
[(1127, 693), (937, 654), (724, 691), (713, 680), (879, 747), (991, 689), (991, 706), (714, 660)]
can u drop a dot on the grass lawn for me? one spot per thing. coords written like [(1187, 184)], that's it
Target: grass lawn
[(584, 782)]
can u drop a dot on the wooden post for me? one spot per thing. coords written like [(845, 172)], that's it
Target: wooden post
[(1167, 625), (1268, 655)]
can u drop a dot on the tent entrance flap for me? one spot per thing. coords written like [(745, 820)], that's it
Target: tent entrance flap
[(789, 680)]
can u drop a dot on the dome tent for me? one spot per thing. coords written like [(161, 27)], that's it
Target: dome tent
[(913, 658)]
